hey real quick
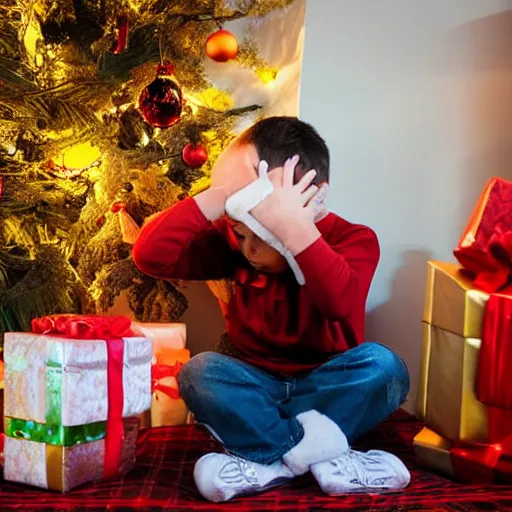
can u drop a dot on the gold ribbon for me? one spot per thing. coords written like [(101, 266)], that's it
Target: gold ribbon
[(54, 469)]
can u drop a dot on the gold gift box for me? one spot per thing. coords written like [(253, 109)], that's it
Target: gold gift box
[(452, 324), (433, 452), (62, 468), (451, 301), (452, 408)]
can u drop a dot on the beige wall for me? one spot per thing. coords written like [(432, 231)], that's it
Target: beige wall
[(415, 100), (203, 318)]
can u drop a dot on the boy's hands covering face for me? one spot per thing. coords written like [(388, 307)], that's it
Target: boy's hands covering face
[(289, 204)]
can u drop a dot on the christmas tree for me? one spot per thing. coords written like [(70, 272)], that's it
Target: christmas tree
[(107, 117)]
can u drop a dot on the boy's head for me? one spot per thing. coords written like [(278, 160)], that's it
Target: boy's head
[(274, 140)]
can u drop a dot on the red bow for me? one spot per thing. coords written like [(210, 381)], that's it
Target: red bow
[(485, 247), (162, 371), (491, 263), (83, 327)]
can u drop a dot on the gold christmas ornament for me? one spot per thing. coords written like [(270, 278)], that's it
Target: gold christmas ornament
[(222, 46)]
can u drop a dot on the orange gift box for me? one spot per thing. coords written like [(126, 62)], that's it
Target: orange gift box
[(169, 356), (167, 407)]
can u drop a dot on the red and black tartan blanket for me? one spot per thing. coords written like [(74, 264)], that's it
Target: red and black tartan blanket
[(162, 481)]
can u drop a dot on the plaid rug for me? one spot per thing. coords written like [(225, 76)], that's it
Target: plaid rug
[(162, 481)]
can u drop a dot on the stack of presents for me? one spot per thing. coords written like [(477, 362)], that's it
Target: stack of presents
[(77, 390), (465, 391)]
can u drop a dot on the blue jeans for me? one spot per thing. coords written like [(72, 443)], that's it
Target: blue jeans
[(254, 413)]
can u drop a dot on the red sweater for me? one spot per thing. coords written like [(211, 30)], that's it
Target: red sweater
[(274, 323)]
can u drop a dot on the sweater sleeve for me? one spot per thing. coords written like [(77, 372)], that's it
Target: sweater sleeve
[(182, 243), (338, 276)]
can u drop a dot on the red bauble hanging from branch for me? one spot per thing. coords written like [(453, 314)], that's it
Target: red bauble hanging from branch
[(161, 102), (222, 46), (194, 155)]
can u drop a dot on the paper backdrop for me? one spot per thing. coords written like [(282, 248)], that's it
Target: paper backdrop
[(280, 40)]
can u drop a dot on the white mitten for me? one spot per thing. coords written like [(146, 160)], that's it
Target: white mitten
[(239, 205)]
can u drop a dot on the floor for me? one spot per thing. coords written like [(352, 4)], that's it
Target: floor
[(162, 481)]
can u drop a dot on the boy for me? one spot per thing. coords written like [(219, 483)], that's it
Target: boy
[(302, 385)]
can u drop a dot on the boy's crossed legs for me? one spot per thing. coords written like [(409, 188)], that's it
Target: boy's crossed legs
[(278, 428)]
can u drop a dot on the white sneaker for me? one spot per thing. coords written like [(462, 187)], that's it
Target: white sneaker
[(221, 477), (356, 472)]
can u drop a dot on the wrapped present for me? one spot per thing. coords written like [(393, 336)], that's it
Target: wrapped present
[(169, 356), (456, 384), (452, 304), (163, 336), (74, 389), (463, 393), (433, 452), (452, 408), (475, 464), (167, 406), (485, 247), (451, 300)]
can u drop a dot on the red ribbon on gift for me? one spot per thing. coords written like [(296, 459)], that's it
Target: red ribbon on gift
[(111, 330), (493, 383), (162, 371), (487, 462)]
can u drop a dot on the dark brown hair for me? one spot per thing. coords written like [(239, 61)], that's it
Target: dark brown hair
[(278, 138)]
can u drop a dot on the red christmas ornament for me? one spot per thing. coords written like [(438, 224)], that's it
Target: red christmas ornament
[(100, 221), (222, 46), (161, 102), (122, 35), (194, 155)]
